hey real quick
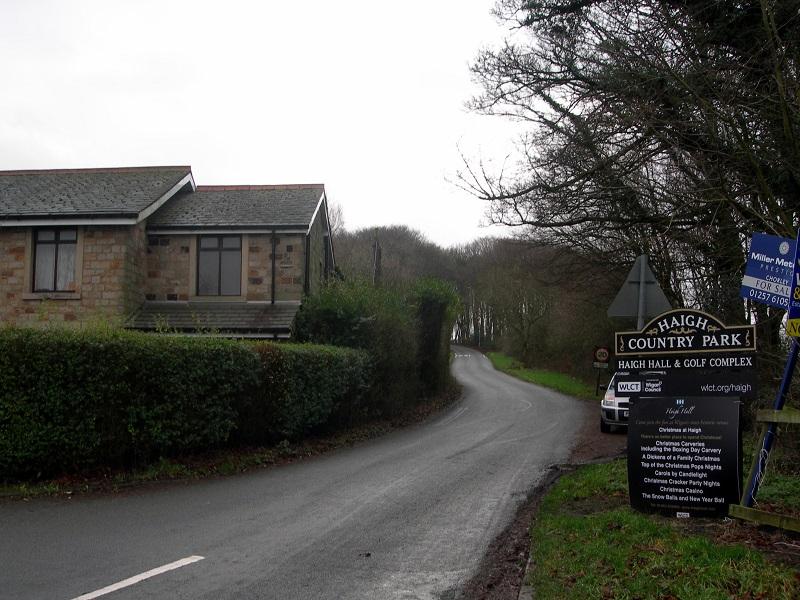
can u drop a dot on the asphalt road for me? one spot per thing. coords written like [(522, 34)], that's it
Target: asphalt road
[(406, 516)]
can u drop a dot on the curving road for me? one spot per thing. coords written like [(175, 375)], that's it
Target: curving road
[(403, 517)]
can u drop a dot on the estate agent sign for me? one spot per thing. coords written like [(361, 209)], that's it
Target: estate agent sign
[(768, 274), (793, 318)]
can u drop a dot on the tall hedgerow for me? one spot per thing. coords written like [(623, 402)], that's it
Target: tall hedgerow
[(436, 303), (405, 332)]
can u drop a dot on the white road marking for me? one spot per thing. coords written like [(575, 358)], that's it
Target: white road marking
[(141, 577)]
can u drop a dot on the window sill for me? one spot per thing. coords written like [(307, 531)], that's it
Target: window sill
[(52, 296), (222, 299)]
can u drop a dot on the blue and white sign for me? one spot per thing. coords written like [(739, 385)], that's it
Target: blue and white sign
[(793, 320), (770, 266)]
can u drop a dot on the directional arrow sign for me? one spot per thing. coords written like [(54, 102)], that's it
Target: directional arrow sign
[(640, 296)]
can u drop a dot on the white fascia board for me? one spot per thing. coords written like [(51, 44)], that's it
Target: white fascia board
[(316, 211), (66, 222), (323, 202), (169, 194), (167, 231)]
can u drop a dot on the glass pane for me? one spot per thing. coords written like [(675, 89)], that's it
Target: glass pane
[(68, 235), (65, 278), (43, 269), (231, 242), (45, 235), (209, 242), (208, 274), (231, 273)]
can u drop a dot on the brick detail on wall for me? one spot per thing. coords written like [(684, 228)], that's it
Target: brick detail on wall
[(289, 265), (259, 265), (167, 269)]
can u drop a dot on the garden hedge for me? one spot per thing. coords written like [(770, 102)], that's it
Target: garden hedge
[(305, 388), (78, 400)]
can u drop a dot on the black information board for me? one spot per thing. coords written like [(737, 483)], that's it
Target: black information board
[(683, 455)]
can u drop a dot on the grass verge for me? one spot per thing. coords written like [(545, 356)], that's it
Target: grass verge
[(227, 461), (560, 382), (588, 543)]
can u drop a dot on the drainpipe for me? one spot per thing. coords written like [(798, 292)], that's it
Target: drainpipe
[(274, 247)]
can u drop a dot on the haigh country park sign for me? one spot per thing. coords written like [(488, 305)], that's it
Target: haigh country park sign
[(685, 373), (686, 331)]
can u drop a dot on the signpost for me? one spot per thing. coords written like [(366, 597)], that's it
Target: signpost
[(601, 357), (640, 296), (793, 319), (685, 373)]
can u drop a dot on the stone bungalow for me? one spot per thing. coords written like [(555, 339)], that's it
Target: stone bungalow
[(147, 247)]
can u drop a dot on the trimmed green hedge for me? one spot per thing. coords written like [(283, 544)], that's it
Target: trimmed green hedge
[(77, 399), (304, 388)]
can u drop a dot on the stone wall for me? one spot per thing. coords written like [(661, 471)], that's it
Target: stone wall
[(167, 276), (108, 284), (121, 267), (259, 266), (12, 274), (289, 267)]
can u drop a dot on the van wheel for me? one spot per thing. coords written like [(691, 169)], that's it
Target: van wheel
[(604, 427)]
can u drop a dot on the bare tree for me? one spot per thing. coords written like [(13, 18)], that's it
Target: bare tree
[(336, 219), (671, 128)]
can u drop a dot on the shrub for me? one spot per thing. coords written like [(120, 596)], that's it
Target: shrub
[(77, 399), (304, 388), (381, 321), (407, 334)]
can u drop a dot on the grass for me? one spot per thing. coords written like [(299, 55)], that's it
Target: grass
[(780, 489), (587, 543), (560, 382)]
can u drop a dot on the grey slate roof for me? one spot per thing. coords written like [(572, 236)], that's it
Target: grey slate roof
[(115, 192), (240, 207), (225, 317)]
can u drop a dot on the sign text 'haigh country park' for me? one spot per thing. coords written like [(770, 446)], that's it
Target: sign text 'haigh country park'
[(684, 331)]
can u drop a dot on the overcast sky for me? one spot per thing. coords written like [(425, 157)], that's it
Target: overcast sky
[(365, 97)]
